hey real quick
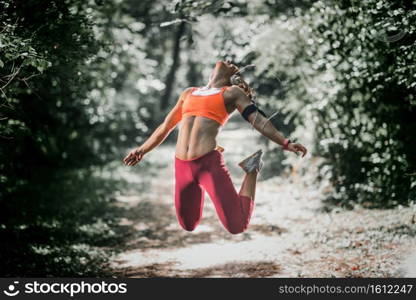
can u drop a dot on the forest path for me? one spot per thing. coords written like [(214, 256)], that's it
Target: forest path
[(290, 235)]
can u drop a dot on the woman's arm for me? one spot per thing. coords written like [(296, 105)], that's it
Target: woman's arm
[(160, 133), (264, 126)]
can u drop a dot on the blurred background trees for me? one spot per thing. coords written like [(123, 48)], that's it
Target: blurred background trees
[(83, 81)]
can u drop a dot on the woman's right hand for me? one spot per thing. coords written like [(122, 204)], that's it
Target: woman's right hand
[(134, 156)]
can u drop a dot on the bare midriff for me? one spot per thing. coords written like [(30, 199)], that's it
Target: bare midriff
[(197, 136)]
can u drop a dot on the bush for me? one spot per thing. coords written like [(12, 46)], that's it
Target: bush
[(348, 75), (47, 140), (366, 127)]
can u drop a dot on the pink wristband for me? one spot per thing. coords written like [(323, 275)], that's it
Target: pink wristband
[(285, 143)]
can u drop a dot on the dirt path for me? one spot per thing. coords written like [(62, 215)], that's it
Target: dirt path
[(290, 235)]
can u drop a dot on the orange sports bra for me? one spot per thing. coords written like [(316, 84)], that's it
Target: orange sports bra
[(207, 103)]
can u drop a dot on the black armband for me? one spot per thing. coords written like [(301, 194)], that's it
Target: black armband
[(250, 109)]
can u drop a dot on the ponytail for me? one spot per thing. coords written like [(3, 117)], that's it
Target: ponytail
[(238, 80)]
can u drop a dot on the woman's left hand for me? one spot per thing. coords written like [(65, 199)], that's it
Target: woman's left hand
[(296, 148)]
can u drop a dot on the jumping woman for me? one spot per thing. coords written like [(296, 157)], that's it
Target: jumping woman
[(199, 162)]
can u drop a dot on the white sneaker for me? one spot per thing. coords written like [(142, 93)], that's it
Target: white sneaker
[(253, 162)]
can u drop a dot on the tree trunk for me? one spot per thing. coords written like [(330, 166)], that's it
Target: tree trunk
[(170, 79)]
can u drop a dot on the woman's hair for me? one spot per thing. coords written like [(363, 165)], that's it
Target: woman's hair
[(238, 79)]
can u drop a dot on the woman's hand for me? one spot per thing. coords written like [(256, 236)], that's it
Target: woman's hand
[(296, 148), (134, 156)]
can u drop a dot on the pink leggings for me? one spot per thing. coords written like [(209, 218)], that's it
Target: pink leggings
[(209, 173)]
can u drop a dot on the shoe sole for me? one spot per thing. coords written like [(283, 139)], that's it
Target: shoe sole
[(259, 167)]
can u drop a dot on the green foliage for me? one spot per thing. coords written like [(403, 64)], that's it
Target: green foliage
[(366, 127), (49, 140), (348, 72)]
